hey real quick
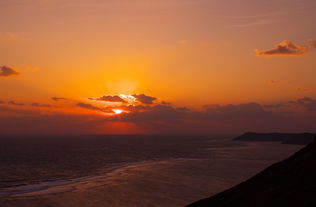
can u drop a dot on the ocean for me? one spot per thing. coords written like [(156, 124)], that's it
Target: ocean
[(126, 170)]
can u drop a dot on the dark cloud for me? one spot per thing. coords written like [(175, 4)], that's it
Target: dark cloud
[(88, 106), (144, 99), (109, 98), (141, 98), (273, 82), (58, 99), (165, 118), (6, 71), (41, 105), (235, 111), (17, 111), (308, 103), (165, 103), (214, 119), (162, 112), (154, 113), (285, 48), (312, 43), (274, 105), (15, 103), (302, 89)]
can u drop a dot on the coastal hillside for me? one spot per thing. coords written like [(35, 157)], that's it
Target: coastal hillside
[(286, 138), (290, 183)]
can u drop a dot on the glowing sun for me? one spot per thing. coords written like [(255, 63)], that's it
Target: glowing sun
[(117, 111)]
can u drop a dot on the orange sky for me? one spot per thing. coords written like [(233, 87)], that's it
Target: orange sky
[(189, 53)]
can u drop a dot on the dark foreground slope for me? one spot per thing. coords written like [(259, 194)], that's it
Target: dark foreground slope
[(289, 183), (285, 138)]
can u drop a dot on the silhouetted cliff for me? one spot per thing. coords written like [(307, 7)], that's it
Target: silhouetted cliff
[(286, 138), (290, 183)]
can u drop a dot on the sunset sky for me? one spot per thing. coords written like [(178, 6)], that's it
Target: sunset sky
[(149, 66)]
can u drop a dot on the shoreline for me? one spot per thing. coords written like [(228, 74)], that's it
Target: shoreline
[(25, 190), (66, 185)]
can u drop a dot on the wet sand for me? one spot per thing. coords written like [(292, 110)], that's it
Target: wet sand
[(168, 183)]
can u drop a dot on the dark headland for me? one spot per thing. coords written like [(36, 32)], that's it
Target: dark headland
[(290, 183), (285, 138)]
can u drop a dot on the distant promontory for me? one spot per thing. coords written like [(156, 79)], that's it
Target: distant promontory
[(285, 138)]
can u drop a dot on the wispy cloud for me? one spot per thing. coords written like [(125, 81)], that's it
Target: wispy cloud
[(256, 19), (11, 38), (252, 24), (287, 84), (183, 42)]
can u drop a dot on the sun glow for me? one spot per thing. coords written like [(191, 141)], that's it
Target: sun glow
[(128, 98), (117, 111)]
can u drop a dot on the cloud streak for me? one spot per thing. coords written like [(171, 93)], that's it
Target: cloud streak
[(41, 105), (88, 106), (251, 24), (15, 103), (19, 104), (58, 99)]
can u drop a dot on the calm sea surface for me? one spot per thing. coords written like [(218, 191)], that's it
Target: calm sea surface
[(127, 171), (31, 159)]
